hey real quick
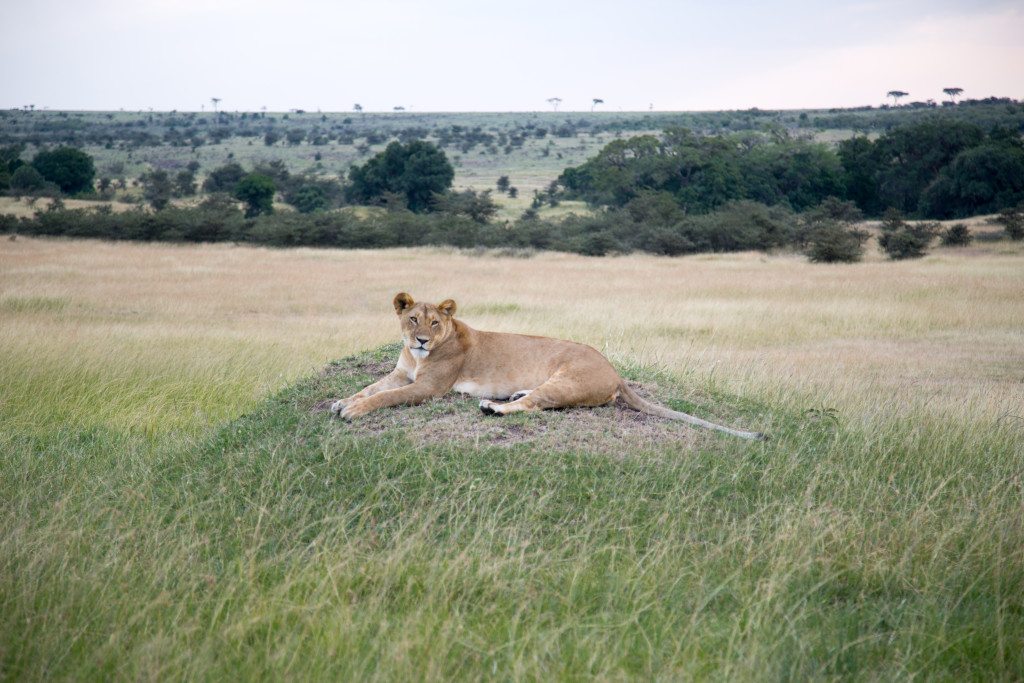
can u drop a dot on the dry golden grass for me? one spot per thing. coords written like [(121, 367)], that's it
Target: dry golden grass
[(182, 335)]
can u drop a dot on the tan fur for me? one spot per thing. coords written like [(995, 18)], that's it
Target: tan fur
[(441, 353)]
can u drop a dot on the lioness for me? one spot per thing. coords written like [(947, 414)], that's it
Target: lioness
[(530, 373)]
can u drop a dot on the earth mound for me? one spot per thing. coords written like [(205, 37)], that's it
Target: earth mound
[(456, 418)]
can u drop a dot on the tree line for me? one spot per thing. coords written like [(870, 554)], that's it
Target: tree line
[(133, 130), (655, 224), (935, 169), (673, 194)]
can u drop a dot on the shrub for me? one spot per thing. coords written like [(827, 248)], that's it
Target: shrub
[(742, 225), (903, 240), (27, 179), (308, 198), (157, 189), (185, 183), (827, 233), (8, 224), (957, 236), (477, 206), (1012, 220), (224, 179), (598, 244), (831, 241)]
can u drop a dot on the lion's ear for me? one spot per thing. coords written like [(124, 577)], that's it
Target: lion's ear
[(447, 307), (402, 302)]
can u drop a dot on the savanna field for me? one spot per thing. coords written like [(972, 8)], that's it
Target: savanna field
[(173, 506)]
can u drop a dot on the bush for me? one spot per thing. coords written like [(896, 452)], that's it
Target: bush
[(477, 206), (742, 225), (308, 198), (957, 236), (598, 244), (831, 241), (157, 189), (185, 183), (8, 224), (1012, 220), (902, 240), (224, 179), (27, 180), (827, 234)]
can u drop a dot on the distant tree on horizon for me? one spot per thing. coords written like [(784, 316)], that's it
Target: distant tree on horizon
[(896, 95), (597, 101), (554, 102), (215, 101), (358, 108), (953, 93)]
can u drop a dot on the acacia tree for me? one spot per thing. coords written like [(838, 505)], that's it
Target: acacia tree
[(597, 101), (953, 93), (896, 95), (415, 171), (554, 102), (215, 101)]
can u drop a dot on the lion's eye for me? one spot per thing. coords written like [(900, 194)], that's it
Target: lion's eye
[(413, 319), (434, 324)]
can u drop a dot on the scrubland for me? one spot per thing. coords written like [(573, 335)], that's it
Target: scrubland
[(171, 506)]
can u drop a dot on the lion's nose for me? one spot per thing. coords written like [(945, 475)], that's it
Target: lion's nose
[(422, 340)]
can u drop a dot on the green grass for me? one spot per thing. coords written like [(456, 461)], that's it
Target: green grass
[(283, 544), (33, 304)]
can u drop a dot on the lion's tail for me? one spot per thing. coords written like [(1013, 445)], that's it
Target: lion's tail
[(637, 403)]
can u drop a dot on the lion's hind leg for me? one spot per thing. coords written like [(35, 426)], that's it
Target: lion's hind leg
[(494, 408), (562, 390), (518, 405)]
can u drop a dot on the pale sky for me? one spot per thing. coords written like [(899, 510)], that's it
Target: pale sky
[(475, 55)]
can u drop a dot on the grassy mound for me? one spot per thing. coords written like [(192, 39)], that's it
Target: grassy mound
[(290, 545), (456, 419)]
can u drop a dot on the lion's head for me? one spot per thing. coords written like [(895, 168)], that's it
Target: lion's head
[(424, 326)]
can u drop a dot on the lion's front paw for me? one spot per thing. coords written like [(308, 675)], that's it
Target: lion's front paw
[(355, 409), (338, 406)]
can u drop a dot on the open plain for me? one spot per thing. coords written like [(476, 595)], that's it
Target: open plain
[(174, 507)]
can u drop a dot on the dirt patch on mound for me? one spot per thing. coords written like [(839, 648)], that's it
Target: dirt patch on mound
[(456, 418)]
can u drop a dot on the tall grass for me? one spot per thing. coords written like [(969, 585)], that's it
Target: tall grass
[(282, 545), (162, 517)]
